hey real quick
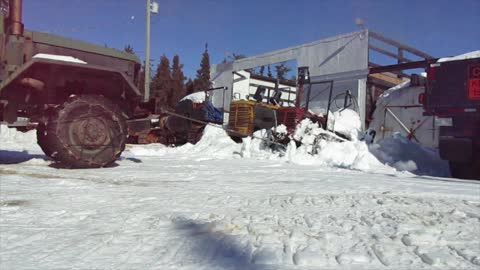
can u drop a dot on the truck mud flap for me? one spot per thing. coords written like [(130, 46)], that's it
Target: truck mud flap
[(456, 149)]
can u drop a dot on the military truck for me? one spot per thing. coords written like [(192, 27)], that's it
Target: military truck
[(77, 95), (453, 91)]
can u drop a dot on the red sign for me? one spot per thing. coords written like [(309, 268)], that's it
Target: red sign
[(474, 89), (473, 83), (475, 72)]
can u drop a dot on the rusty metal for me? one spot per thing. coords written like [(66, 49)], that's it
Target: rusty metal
[(403, 66), (16, 25), (34, 83), (231, 131), (242, 116)]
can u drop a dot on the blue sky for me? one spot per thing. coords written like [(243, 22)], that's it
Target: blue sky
[(438, 27)]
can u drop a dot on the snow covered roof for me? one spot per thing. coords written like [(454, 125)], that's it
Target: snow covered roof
[(469, 55), (64, 58), (197, 97)]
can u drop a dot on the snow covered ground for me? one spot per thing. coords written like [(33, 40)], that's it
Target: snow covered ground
[(220, 205)]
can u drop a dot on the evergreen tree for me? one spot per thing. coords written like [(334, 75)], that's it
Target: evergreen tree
[(282, 71), (178, 85), (262, 70), (232, 57), (235, 56), (202, 81), (189, 87), (161, 83)]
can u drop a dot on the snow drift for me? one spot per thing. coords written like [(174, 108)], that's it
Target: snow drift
[(386, 156), (405, 155)]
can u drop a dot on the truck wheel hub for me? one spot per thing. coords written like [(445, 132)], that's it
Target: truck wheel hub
[(92, 133)]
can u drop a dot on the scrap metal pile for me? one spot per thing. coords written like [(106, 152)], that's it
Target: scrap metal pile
[(185, 124)]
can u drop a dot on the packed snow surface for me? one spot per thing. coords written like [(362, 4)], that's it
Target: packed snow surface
[(63, 58), (469, 55), (222, 205)]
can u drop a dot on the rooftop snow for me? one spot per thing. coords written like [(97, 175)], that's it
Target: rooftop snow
[(469, 55), (63, 58)]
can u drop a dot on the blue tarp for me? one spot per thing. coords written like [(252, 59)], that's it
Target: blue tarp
[(212, 114)]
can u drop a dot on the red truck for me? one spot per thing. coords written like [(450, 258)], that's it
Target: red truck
[(453, 91)]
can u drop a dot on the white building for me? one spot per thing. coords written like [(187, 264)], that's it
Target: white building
[(245, 85)]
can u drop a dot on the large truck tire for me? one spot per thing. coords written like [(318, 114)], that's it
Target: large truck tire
[(85, 132), (468, 170), (43, 142)]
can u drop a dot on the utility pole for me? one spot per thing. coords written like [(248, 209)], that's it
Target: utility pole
[(153, 8)]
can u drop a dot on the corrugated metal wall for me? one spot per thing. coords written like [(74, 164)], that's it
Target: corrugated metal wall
[(343, 58)]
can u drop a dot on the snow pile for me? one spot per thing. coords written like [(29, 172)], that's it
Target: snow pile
[(19, 147), (259, 147), (281, 129), (405, 155), (347, 122), (63, 58), (314, 151), (316, 148), (154, 149), (14, 137), (306, 133), (197, 97), (215, 143), (469, 55)]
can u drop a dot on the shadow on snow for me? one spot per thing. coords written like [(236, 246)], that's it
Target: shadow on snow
[(214, 248)]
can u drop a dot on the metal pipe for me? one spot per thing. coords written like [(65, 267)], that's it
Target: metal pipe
[(16, 24), (329, 104), (217, 126), (146, 97)]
